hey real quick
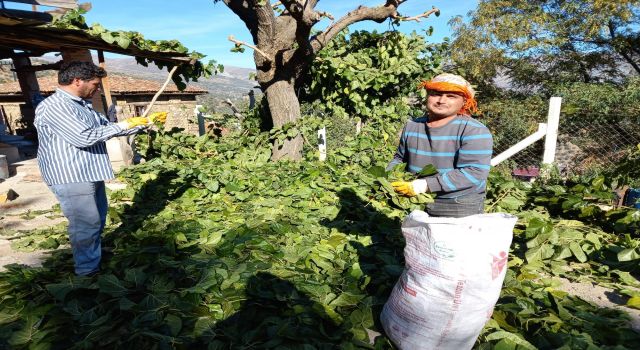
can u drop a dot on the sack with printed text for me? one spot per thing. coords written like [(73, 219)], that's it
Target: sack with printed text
[(454, 269)]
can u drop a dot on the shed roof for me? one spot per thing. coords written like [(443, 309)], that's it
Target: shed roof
[(25, 30), (119, 85)]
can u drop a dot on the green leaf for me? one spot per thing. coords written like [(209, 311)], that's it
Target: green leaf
[(108, 37), (175, 324), (428, 170), (135, 276), (203, 325), (505, 344), (515, 338), (627, 278), (628, 254), (126, 304), (60, 290), (123, 42), (544, 251), (26, 334), (577, 251), (346, 299), (377, 171), (111, 285), (213, 186)]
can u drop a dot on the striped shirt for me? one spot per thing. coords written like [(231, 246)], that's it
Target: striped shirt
[(71, 137), (461, 151)]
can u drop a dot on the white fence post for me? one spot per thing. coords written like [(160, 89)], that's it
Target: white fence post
[(322, 143), (553, 121)]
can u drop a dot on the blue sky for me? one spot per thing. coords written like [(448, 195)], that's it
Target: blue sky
[(204, 26)]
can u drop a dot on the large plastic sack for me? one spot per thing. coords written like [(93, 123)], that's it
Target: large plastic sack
[(454, 269)]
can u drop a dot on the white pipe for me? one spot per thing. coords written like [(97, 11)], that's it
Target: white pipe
[(542, 131), (553, 120)]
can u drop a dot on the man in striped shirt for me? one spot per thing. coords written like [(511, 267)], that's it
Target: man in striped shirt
[(73, 160), (456, 144)]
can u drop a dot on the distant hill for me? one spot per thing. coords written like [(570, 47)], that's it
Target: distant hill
[(6, 75), (233, 83)]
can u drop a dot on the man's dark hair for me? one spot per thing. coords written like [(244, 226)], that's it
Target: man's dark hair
[(81, 70)]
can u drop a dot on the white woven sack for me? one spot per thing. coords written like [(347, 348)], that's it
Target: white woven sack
[(454, 269)]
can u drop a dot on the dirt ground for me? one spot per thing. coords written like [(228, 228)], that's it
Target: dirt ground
[(34, 195), (602, 297)]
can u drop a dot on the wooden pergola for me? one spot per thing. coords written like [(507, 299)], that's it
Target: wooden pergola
[(25, 34)]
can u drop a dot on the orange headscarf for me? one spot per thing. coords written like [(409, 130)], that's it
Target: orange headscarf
[(453, 83)]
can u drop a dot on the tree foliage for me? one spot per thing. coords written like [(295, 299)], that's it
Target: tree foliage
[(285, 44), (361, 71), (540, 43)]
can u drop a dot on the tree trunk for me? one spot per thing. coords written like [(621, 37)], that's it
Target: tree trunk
[(284, 108)]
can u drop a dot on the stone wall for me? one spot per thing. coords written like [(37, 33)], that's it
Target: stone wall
[(13, 115)]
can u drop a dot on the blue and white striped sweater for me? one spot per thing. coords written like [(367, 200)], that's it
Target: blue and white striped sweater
[(461, 151)]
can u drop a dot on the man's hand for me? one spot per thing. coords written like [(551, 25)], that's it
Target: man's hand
[(410, 189), (159, 117), (135, 121)]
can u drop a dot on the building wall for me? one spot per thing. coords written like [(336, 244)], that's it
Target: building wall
[(180, 108), (14, 116)]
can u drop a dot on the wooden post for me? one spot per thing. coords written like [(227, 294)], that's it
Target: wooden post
[(106, 88), (29, 86), (551, 138), (126, 145)]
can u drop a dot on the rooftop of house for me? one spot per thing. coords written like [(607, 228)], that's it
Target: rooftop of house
[(119, 85)]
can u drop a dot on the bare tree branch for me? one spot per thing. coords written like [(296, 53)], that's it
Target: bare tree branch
[(377, 14), (625, 55), (418, 17), (242, 43)]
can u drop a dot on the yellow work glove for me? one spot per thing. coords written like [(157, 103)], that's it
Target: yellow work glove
[(410, 189), (135, 121), (159, 117)]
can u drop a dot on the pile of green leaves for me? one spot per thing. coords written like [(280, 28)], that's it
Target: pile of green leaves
[(213, 246), (565, 230)]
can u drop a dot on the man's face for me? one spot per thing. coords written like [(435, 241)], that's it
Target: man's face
[(87, 88), (444, 104)]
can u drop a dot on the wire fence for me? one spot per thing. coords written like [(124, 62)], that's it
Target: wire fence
[(583, 146)]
